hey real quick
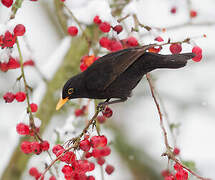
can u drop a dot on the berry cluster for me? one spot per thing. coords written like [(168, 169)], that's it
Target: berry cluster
[(34, 147), (76, 168), (180, 174), (19, 96)]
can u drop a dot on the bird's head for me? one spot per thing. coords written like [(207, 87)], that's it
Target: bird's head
[(69, 91)]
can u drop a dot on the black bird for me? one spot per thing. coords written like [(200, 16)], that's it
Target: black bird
[(116, 74)]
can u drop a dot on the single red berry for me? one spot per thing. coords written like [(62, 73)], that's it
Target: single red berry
[(13, 64), (88, 155), (198, 51), (59, 152), (115, 45), (97, 20), (20, 96), (29, 63), (100, 161), (72, 30), (69, 157), (79, 112), (91, 166), (44, 145), (178, 167), (108, 112), (90, 178), (104, 42), (7, 3), (173, 10), (96, 153), (181, 175), (165, 173), (85, 145), (9, 97), (33, 107), (159, 39), (132, 41), (109, 169), (52, 178), (9, 39), (36, 147), (19, 30), (26, 147), (4, 66), (101, 119), (98, 141), (193, 13), (83, 67), (118, 28), (56, 148), (170, 177), (176, 151), (33, 171), (105, 151), (22, 129), (175, 48), (104, 27), (67, 170)]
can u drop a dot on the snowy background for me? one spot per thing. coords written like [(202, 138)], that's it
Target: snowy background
[(188, 93)]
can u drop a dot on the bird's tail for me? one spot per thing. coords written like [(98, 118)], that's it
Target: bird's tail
[(173, 61)]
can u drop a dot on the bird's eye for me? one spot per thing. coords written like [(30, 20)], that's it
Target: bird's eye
[(70, 90)]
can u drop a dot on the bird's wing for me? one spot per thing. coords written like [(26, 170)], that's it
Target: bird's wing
[(107, 68)]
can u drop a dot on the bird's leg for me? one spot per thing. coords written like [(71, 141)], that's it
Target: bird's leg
[(101, 106)]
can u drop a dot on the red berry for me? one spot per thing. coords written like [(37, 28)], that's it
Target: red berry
[(97, 20), (29, 63), (109, 169), (22, 129), (19, 30), (33, 171), (44, 145), (101, 119), (154, 50), (173, 10), (98, 141), (67, 170), (13, 64), (159, 39), (132, 41), (96, 153), (7, 3), (56, 148), (79, 112), (73, 30), (90, 178), (4, 67), (9, 97), (165, 173), (26, 147), (69, 157), (115, 45), (193, 13), (9, 39), (104, 27), (181, 175), (105, 151), (36, 148), (83, 67), (198, 51), (91, 166), (52, 178), (20, 96), (88, 155), (176, 151), (100, 161), (104, 42), (170, 177), (85, 145), (175, 48), (33, 107), (108, 112), (177, 167), (118, 28)]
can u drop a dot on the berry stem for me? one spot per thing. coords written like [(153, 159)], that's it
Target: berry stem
[(31, 117), (15, 8)]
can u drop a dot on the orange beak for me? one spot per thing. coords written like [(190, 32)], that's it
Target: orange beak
[(61, 102)]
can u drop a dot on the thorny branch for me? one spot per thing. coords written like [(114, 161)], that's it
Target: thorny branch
[(168, 152)]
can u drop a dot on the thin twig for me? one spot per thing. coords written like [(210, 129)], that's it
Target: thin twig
[(169, 152)]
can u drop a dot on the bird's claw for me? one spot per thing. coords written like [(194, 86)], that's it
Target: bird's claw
[(101, 106)]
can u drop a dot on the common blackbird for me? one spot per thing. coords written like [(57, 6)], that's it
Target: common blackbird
[(116, 74)]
